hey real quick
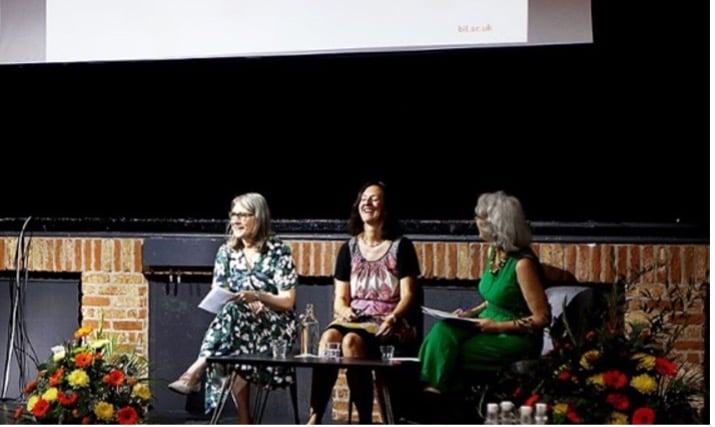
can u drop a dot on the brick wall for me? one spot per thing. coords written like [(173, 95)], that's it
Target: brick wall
[(113, 283)]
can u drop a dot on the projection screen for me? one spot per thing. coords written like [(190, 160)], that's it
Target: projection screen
[(124, 30)]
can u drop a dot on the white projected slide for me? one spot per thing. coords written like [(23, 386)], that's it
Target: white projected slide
[(79, 30), (108, 30)]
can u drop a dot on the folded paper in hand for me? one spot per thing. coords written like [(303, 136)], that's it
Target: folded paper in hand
[(439, 314), (215, 299)]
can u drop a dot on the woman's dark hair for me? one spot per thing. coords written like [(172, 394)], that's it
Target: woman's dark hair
[(390, 224)]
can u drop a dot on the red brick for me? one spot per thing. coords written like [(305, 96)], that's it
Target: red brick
[(583, 263), (77, 254), (464, 261), (596, 263), (428, 261), (634, 263), (675, 272), (3, 262), (96, 255), (649, 263), (439, 255), (303, 263), (702, 263), (570, 260), (58, 262), (127, 325), (689, 263), (317, 267), (95, 301), (86, 255), (689, 345), (608, 254), (137, 256), (451, 261)]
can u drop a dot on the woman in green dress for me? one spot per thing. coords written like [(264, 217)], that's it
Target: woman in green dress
[(509, 323), (259, 268)]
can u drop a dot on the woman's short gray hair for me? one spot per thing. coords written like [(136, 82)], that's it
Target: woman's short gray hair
[(504, 220)]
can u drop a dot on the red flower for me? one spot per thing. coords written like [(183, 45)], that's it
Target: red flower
[(115, 377), (30, 387), (18, 412), (127, 415), (643, 415), (618, 401), (573, 416), (532, 400), (41, 408), (591, 335), (565, 375), (615, 379), (665, 367), (56, 378), (67, 398), (86, 420)]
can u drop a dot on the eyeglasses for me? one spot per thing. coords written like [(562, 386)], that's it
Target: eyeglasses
[(240, 215)]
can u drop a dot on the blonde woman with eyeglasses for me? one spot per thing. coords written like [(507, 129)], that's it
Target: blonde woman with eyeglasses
[(259, 268)]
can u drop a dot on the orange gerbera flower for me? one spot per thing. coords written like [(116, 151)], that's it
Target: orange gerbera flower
[(30, 387), (83, 332), (115, 377), (56, 378), (84, 359)]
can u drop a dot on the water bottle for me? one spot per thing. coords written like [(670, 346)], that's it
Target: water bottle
[(541, 417), (526, 415), (506, 415), (309, 332), (492, 416)]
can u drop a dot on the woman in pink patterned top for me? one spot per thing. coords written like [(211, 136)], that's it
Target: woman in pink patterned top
[(375, 286)]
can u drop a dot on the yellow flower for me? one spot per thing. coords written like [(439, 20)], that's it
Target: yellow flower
[(560, 408), (104, 411), (618, 418), (596, 380), (31, 402), (588, 357), (78, 378), (50, 394), (645, 361), (644, 383), (142, 391)]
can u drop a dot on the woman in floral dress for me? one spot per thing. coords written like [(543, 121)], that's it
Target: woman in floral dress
[(375, 286), (259, 268)]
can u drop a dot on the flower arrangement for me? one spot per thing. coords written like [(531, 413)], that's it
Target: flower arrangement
[(85, 381), (621, 371)]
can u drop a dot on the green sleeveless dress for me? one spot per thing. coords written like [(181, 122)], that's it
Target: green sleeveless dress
[(452, 346)]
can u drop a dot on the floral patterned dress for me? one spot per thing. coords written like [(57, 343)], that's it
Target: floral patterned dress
[(239, 329)]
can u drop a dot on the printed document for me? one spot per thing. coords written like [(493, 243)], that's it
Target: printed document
[(215, 299), (440, 314)]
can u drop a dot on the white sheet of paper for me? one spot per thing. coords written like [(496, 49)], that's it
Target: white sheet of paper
[(440, 314), (215, 299)]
